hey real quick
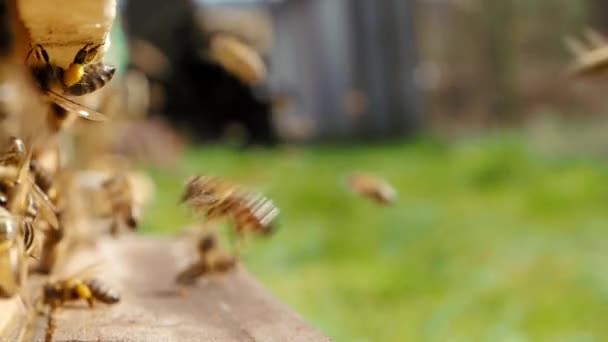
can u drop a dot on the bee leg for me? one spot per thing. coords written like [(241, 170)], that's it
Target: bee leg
[(92, 53), (50, 325), (41, 53), (81, 55), (114, 227), (131, 221), (86, 54)]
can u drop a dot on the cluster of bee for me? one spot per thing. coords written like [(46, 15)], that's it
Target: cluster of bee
[(34, 210), (215, 198)]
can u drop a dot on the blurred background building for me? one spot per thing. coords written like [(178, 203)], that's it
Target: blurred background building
[(335, 69), (359, 69)]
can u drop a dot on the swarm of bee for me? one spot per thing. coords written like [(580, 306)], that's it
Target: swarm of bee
[(39, 195), (215, 198)]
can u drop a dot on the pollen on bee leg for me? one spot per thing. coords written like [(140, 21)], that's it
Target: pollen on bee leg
[(73, 74)]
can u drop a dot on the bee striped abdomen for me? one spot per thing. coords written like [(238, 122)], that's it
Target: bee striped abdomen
[(250, 211), (95, 76), (29, 236), (101, 292)]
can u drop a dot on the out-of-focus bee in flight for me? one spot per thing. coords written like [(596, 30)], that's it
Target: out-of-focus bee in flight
[(372, 187), (591, 54), (119, 194), (237, 57), (216, 198), (211, 260), (81, 77)]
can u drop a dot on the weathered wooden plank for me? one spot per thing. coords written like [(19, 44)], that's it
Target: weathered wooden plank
[(231, 307)]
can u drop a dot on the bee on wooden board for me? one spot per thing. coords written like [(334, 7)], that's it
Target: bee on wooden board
[(81, 77), (56, 294), (74, 288), (216, 198), (211, 260)]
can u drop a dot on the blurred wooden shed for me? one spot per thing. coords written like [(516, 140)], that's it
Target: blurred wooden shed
[(350, 64)]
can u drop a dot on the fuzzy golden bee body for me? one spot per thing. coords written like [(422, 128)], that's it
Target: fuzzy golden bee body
[(12, 251), (119, 193), (216, 198), (30, 206), (372, 187), (79, 78), (56, 294)]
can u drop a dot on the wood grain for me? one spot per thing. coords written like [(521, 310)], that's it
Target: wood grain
[(231, 307)]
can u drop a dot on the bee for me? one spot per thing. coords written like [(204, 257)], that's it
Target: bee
[(81, 77), (119, 193), (216, 198), (237, 57), (23, 198), (211, 260), (57, 293), (21, 189), (591, 56), (70, 289), (372, 187), (12, 250)]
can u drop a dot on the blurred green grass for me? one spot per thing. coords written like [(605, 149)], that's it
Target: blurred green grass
[(489, 240)]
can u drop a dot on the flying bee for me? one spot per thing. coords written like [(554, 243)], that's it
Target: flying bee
[(216, 198), (237, 57), (372, 187), (119, 193), (591, 53), (82, 76), (211, 260)]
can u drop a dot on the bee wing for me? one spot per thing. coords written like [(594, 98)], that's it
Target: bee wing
[(21, 187), (47, 209), (84, 271), (80, 110)]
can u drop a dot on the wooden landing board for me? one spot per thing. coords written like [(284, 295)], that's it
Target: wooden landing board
[(231, 307)]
